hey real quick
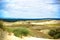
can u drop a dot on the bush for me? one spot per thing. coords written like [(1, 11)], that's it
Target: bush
[(9, 29), (19, 32), (57, 36), (55, 33), (1, 25)]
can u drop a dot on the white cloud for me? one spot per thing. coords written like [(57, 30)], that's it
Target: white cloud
[(30, 9)]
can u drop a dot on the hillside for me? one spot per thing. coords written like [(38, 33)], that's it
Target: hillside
[(36, 26)]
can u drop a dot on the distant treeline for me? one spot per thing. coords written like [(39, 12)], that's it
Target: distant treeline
[(13, 19)]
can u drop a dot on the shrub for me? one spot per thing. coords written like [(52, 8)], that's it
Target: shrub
[(9, 29), (1, 25), (22, 31), (55, 33)]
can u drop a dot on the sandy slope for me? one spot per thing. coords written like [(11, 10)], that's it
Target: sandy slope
[(12, 37)]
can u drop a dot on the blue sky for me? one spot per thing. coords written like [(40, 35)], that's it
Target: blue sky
[(29, 9)]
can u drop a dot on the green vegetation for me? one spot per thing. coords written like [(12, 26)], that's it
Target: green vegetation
[(55, 33), (9, 29), (22, 31), (1, 25), (18, 31), (53, 25)]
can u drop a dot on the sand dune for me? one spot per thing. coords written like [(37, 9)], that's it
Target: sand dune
[(12, 37)]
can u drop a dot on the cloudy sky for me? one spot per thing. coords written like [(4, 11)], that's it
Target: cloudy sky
[(29, 9)]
